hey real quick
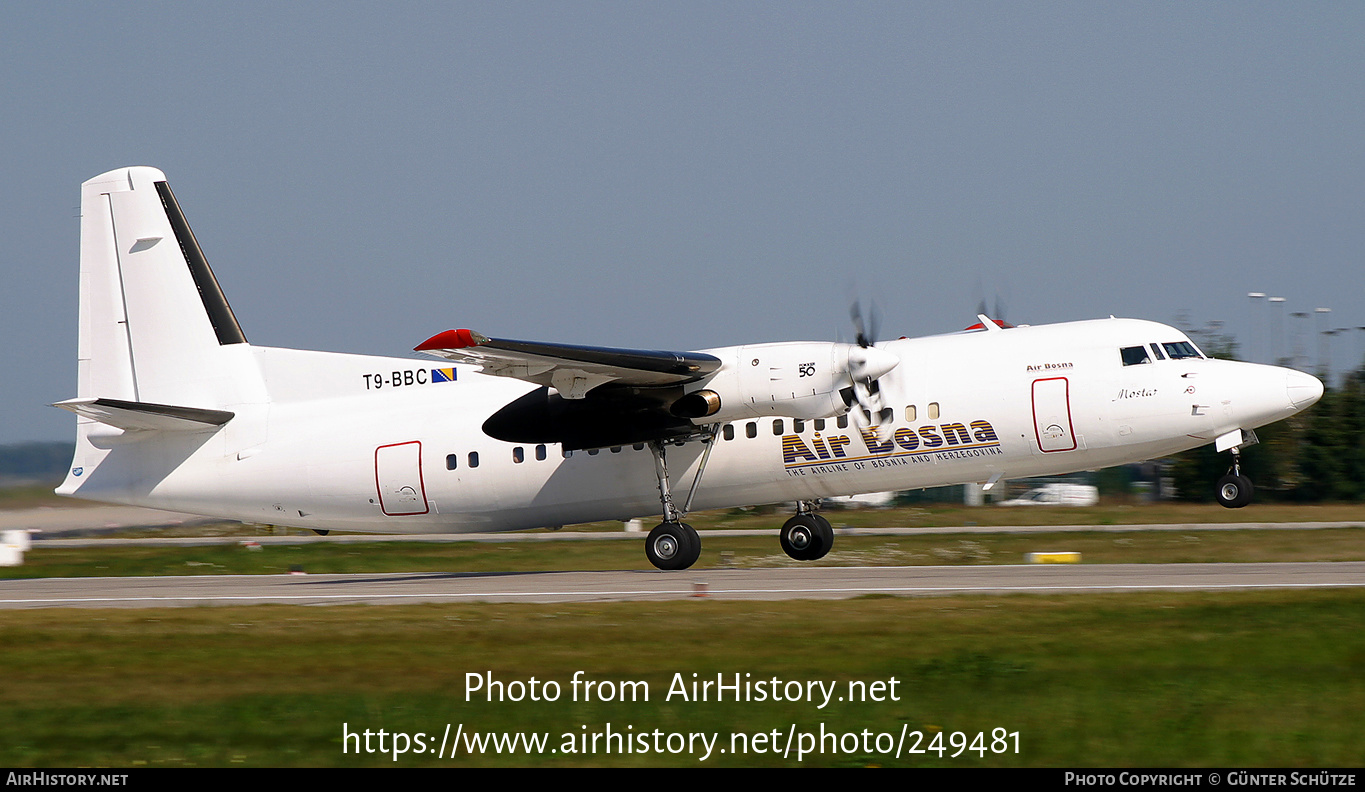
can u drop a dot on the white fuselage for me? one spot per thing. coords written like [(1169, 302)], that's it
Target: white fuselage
[(351, 442)]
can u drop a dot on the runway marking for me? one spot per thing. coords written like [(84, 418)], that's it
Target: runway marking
[(680, 593)]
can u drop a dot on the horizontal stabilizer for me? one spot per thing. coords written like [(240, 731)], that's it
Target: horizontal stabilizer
[(145, 415)]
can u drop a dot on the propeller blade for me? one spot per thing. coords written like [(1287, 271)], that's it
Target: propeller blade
[(867, 363), (866, 328), (859, 329)]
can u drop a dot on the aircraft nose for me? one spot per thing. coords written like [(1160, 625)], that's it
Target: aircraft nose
[(1303, 389)]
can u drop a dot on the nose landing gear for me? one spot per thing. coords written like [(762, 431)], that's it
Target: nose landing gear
[(1234, 490)]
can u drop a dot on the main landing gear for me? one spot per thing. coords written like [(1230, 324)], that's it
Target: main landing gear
[(1234, 489), (673, 544), (807, 536)]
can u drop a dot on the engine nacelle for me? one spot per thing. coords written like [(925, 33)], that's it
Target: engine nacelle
[(795, 379)]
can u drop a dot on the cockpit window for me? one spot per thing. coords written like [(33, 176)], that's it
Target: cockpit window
[(1133, 356), (1156, 348), (1181, 350)]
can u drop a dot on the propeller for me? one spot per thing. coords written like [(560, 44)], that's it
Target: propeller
[(866, 364), (983, 315), (866, 330)]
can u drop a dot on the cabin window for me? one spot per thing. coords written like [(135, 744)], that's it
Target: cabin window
[(638, 446), (594, 451), (751, 430), (728, 432), (452, 461), (567, 452), (540, 452), (909, 413), (798, 425), (933, 411), (616, 449), (1135, 356), (473, 459), (842, 423), (777, 427), (819, 424), (518, 455)]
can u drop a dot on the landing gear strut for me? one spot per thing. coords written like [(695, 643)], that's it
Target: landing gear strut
[(673, 544), (807, 536), (1234, 489)]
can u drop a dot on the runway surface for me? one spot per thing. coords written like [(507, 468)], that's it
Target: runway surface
[(721, 584)]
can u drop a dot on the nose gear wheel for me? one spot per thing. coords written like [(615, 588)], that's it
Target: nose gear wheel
[(1234, 490)]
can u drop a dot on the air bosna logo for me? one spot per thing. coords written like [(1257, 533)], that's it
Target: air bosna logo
[(905, 441)]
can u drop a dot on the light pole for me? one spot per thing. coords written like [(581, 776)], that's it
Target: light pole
[(1278, 343), (1253, 353), (1326, 337), (1300, 356), (1324, 365), (1345, 332)]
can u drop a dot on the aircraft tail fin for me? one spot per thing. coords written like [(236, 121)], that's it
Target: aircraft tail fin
[(156, 332), (154, 321)]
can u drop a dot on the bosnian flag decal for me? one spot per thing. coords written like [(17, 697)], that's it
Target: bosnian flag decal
[(443, 375)]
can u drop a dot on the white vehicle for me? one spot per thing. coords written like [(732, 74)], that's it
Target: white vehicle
[(177, 410), (1057, 495), (866, 500)]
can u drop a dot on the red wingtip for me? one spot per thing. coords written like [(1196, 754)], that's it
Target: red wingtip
[(450, 339)]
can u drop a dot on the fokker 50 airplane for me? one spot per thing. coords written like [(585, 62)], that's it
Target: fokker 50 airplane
[(176, 410)]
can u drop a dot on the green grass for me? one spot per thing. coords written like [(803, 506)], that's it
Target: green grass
[(1198, 679), (1229, 679), (1110, 511), (1326, 544), (33, 496)]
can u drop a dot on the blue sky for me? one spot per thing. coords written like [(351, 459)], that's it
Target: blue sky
[(688, 175)]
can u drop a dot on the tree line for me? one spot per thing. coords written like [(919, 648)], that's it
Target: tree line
[(29, 462)]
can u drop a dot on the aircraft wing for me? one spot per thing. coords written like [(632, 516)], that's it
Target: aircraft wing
[(571, 370)]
